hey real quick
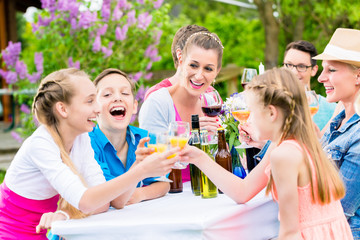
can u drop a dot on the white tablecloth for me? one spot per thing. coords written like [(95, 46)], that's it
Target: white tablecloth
[(179, 216)]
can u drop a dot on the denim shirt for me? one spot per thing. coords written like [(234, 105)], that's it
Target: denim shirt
[(343, 146)]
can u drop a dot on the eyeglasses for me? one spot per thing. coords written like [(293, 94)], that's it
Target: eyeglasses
[(299, 68)]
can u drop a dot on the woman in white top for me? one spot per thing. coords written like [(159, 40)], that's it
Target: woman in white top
[(57, 162)]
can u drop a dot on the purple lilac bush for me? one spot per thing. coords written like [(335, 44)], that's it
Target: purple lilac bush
[(121, 34)]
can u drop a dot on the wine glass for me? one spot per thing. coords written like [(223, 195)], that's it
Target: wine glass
[(239, 109), (247, 76), (179, 133), (240, 112), (313, 102), (211, 105), (159, 141)]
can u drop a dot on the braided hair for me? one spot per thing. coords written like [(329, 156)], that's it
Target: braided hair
[(57, 87), (282, 89)]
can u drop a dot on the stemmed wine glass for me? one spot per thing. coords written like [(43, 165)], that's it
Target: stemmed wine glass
[(247, 76), (211, 105), (159, 141), (179, 133), (240, 112), (313, 102)]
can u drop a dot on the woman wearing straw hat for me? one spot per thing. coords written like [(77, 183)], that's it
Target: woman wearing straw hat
[(341, 141)]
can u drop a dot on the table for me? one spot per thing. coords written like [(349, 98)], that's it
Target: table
[(179, 216)]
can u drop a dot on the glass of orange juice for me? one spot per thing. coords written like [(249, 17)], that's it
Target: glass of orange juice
[(313, 102), (179, 133), (159, 142)]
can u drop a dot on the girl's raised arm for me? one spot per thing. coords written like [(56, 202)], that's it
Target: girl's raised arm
[(240, 190)]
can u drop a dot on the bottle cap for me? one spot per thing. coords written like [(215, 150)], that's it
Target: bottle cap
[(221, 129), (194, 117), (194, 131), (195, 121)]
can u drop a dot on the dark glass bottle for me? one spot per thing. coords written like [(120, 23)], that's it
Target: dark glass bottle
[(195, 173), (223, 156), (195, 125)]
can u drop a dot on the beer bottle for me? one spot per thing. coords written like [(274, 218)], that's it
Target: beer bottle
[(223, 156), (207, 187)]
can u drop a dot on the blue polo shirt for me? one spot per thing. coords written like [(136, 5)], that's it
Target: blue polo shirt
[(105, 153)]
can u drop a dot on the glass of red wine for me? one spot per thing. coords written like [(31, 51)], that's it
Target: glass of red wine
[(211, 104)]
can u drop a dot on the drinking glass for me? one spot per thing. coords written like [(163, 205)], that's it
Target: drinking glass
[(240, 112), (247, 76), (179, 133), (313, 102), (159, 141), (211, 104), (239, 109)]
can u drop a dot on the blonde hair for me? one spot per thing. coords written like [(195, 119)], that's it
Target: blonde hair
[(281, 88), (57, 87)]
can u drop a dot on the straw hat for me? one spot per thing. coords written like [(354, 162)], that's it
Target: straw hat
[(344, 46)]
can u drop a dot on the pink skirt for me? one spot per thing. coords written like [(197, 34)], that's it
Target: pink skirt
[(19, 216)]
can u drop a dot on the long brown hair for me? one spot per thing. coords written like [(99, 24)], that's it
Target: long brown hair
[(281, 88), (180, 38), (57, 87)]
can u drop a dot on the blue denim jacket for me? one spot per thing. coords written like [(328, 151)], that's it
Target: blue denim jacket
[(343, 146)]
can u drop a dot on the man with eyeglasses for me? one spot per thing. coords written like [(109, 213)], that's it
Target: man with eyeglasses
[(298, 58)]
